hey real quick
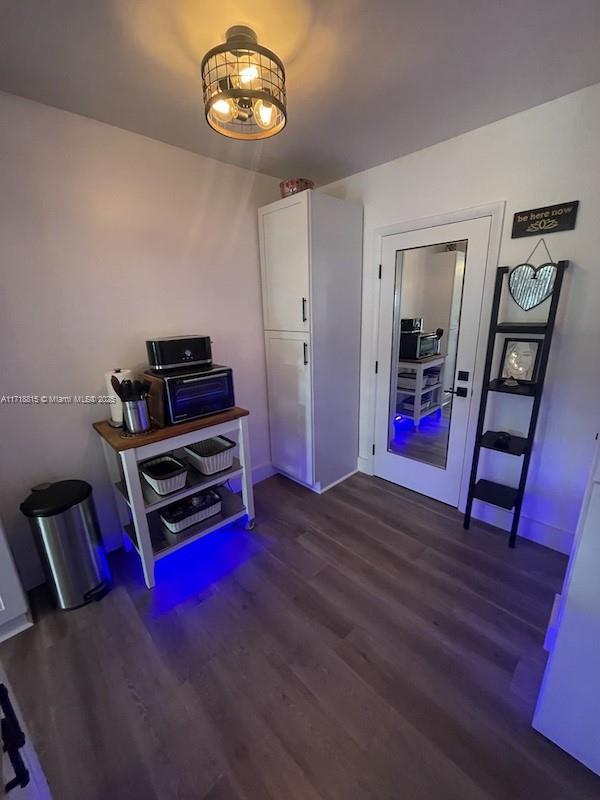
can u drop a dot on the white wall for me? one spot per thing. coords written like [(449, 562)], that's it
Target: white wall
[(106, 239), (546, 155), (427, 289)]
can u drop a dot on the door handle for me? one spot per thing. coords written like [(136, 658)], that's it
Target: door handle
[(304, 309), (460, 392), (305, 353)]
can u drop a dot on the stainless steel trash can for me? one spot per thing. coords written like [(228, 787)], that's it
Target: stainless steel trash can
[(65, 527)]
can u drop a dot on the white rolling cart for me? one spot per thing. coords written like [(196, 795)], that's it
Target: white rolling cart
[(434, 392), (136, 498)]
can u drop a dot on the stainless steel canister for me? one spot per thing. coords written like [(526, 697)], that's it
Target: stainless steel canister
[(135, 416)]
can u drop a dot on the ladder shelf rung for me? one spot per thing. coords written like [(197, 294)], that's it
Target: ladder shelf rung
[(521, 327), (517, 445), (495, 493), (523, 389)]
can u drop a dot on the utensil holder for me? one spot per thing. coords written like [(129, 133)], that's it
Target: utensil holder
[(135, 416)]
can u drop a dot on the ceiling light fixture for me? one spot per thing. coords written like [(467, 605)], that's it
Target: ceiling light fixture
[(243, 85)]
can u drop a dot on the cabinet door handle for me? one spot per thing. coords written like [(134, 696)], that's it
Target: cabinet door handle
[(304, 309), (305, 353)]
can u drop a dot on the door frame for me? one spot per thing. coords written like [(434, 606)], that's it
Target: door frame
[(371, 329)]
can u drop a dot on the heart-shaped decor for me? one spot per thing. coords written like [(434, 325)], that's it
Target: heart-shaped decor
[(529, 286)]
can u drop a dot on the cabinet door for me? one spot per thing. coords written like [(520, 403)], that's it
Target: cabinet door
[(285, 265), (12, 597), (290, 404), (37, 787)]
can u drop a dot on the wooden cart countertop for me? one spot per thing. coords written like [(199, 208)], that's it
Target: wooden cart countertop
[(424, 360), (119, 441)]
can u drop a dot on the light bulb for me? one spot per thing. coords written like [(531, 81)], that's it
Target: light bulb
[(264, 114), (249, 74), (223, 110)]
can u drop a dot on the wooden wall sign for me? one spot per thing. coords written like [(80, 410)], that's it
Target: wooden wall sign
[(548, 219)]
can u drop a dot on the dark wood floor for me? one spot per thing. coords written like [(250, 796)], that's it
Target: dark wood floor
[(357, 644)]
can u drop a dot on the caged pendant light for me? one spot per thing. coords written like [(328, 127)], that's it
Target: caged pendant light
[(243, 85)]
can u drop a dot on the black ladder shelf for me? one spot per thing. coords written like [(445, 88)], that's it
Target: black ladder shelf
[(509, 497)]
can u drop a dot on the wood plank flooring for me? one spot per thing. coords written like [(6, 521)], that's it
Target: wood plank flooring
[(358, 645)]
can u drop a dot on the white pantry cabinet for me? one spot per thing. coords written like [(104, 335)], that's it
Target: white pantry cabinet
[(290, 403), (14, 612), (284, 265), (311, 256)]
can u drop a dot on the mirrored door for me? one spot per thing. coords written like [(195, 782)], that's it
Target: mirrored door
[(431, 294), (428, 290)]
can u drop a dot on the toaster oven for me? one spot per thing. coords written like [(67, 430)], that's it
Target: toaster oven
[(419, 345), (184, 394)]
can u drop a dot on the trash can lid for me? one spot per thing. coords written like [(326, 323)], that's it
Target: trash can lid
[(49, 499)]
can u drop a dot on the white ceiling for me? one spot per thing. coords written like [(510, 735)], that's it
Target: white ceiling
[(368, 80)]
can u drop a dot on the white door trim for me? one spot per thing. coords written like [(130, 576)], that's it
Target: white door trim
[(368, 393)]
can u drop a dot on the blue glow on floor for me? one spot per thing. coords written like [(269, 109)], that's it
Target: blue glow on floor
[(433, 420), (191, 572), (404, 423), (430, 427)]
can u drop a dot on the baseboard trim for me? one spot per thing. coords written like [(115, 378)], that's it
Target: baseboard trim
[(14, 626), (335, 483), (538, 532), (262, 472), (365, 465), (316, 487)]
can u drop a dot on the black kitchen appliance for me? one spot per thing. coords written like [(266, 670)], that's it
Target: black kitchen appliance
[(411, 325), (172, 352), (420, 345), (178, 395)]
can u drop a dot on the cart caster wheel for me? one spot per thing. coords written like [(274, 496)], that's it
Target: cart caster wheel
[(250, 525)]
